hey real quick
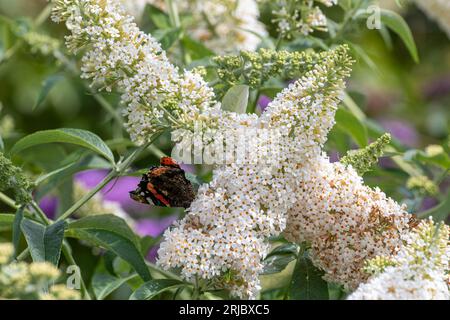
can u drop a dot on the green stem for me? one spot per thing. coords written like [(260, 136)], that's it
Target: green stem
[(176, 23), (173, 13), (167, 274), (67, 251), (278, 43), (8, 201), (111, 176), (23, 255), (40, 19), (40, 213), (196, 292), (252, 107)]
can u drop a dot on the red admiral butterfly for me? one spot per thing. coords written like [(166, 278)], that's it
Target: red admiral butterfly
[(165, 185)]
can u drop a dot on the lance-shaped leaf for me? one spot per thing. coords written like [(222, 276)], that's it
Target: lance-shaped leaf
[(396, 23), (44, 242), (16, 231), (78, 137), (307, 282), (154, 287), (236, 99), (111, 232), (104, 284)]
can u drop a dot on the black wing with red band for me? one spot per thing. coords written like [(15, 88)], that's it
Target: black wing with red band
[(165, 185)]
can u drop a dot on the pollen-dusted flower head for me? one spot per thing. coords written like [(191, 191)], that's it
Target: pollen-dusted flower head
[(118, 55), (345, 221), (420, 270), (223, 238)]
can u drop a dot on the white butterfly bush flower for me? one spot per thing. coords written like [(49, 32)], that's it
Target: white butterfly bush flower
[(222, 25), (304, 16), (118, 55), (420, 270), (438, 10), (235, 25), (223, 239), (345, 221)]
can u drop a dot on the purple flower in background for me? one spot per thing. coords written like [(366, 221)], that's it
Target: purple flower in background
[(428, 203), (437, 88), (263, 102), (49, 204), (402, 131), (153, 228), (334, 156), (116, 190), (187, 167)]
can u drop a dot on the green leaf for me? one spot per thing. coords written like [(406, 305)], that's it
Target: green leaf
[(288, 248), (154, 287), (347, 122), (307, 282), (44, 242), (396, 23), (78, 137), (147, 243), (47, 86), (437, 157), (360, 52), (236, 99), (196, 49), (277, 263), (6, 221), (105, 284), (345, 4), (53, 179), (155, 18), (16, 232), (111, 232), (167, 37)]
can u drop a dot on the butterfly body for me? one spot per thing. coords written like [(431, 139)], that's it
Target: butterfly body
[(165, 185)]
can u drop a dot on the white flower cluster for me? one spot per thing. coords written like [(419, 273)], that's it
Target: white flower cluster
[(222, 25), (345, 221), (303, 16), (222, 240), (20, 280), (119, 55), (438, 10), (235, 25), (419, 271)]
